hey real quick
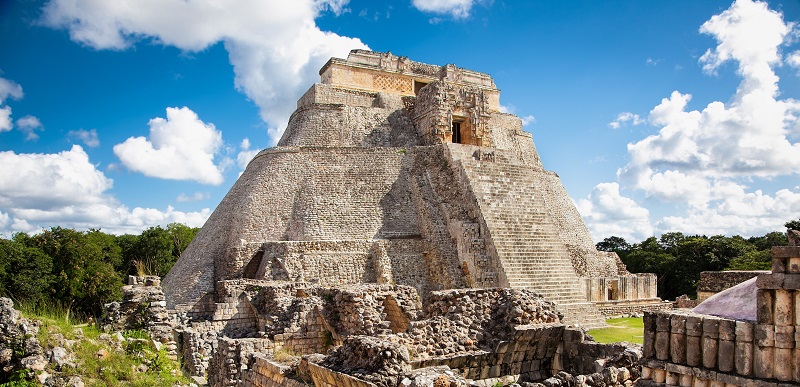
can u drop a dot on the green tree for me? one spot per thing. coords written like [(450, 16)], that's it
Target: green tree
[(25, 272), (769, 240), (83, 280), (793, 224), (613, 243), (752, 260)]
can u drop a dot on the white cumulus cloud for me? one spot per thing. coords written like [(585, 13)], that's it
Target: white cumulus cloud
[(701, 160), (87, 137), (459, 9), (245, 154), (180, 147), (8, 89), (626, 117), (29, 125), (608, 213), (65, 189), (275, 47)]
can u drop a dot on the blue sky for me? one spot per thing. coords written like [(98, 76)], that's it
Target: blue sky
[(658, 116)]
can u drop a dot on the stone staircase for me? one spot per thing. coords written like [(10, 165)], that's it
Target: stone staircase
[(527, 242)]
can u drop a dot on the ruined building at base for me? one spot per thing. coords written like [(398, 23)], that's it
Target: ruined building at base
[(400, 177)]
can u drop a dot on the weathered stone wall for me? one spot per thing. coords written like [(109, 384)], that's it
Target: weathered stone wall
[(334, 125), (285, 193), (688, 348), (507, 134), (579, 356), (143, 307), (267, 373), (713, 282)]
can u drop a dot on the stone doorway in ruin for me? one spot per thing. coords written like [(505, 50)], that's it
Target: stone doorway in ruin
[(456, 132)]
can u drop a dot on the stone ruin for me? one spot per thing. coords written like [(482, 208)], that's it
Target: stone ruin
[(727, 348), (395, 183)]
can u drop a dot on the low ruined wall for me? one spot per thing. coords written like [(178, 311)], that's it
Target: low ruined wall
[(226, 366), (528, 355), (713, 282), (266, 373), (683, 348), (631, 307)]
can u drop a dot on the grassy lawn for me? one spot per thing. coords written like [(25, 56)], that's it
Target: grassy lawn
[(620, 329)]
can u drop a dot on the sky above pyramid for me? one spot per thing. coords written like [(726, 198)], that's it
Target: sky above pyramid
[(658, 116)]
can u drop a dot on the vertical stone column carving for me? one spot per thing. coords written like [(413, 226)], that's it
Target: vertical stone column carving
[(744, 348), (710, 342), (727, 345), (694, 348), (677, 342), (649, 338), (662, 336), (764, 356)]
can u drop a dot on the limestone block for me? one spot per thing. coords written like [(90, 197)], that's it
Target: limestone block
[(694, 346), (743, 358), (764, 362), (686, 380), (783, 364), (783, 311), (659, 375), (677, 343), (710, 342), (662, 336), (793, 265), (672, 378), (727, 345), (765, 301), (649, 338)]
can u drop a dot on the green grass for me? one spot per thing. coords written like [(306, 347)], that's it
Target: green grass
[(120, 361), (620, 329)]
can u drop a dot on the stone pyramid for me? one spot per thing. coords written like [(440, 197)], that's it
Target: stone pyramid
[(395, 171)]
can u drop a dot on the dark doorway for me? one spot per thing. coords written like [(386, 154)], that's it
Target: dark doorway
[(418, 86), (456, 132)]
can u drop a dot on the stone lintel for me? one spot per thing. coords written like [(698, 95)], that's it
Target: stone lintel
[(778, 281), (785, 251)]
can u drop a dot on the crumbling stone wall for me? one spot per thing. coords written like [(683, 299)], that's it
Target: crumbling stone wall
[(143, 307)]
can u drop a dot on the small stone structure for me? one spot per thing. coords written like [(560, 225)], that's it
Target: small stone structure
[(143, 307), (713, 282), (691, 349)]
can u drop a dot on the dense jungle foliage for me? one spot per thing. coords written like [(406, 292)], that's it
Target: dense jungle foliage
[(79, 271)]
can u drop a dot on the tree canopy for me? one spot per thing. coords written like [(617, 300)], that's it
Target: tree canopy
[(82, 270)]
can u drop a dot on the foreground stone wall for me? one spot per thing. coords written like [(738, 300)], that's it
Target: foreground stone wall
[(686, 348)]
